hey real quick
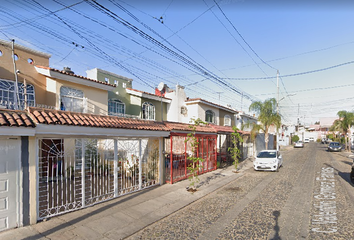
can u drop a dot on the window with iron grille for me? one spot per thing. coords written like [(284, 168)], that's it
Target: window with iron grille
[(148, 111), (8, 97), (116, 107), (71, 99), (209, 116)]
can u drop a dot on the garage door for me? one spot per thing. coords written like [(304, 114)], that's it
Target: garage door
[(10, 151)]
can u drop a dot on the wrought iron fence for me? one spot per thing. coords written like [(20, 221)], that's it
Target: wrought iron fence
[(74, 173)]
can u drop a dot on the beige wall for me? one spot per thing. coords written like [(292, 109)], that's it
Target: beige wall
[(27, 70), (32, 153), (222, 115), (97, 99)]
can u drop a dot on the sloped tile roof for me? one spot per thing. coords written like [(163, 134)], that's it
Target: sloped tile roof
[(56, 117), (150, 94), (75, 75), (226, 129), (176, 126), (15, 118), (196, 100)]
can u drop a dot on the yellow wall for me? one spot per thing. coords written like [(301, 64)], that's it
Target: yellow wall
[(27, 70)]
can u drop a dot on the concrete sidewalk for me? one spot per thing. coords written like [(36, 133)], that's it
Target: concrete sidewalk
[(123, 216)]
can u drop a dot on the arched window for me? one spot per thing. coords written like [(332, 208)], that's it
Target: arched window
[(209, 116), (227, 120), (71, 99), (8, 95), (148, 111), (116, 107)]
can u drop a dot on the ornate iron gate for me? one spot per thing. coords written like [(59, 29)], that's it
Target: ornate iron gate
[(74, 173)]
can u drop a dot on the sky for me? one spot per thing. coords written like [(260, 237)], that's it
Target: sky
[(224, 51)]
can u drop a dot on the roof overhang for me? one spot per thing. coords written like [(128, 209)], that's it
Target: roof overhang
[(57, 75), (148, 96), (211, 104), (50, 130), (17, 131)]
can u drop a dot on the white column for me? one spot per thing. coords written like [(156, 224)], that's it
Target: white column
[(83, 164), (115, 167), (140, 165), (161, 160)]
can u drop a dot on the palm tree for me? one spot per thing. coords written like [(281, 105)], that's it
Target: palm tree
[(346, 120), (267, 116)]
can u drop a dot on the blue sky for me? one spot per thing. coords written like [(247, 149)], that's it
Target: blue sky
[(214, 48)]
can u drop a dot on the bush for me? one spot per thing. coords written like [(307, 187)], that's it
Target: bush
[(295, 138)]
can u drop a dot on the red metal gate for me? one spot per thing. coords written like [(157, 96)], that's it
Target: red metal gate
[(177, 147)]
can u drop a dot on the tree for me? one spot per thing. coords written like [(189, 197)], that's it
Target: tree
[(343, 124), (267, 116), (295, 138), (234, 150), (196, 161)]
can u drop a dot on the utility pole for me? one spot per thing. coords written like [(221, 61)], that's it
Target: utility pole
[(219, 96), (278, 108), (16, 98)]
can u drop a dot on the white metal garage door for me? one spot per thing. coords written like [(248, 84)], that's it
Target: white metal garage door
[(10, 151)]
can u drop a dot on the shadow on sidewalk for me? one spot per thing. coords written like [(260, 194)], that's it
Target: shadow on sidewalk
[(99, 209)]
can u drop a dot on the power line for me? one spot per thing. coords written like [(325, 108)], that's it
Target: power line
[(294, 74)]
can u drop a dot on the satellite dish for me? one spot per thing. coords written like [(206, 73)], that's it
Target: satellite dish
[(161, 86)]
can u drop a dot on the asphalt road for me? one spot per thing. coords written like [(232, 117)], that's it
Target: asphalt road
[(311, 197)]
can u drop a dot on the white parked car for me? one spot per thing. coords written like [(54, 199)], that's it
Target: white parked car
[(306, 140), (299, 144), (268, 160)]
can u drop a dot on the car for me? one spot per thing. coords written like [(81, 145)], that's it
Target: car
[(334, 147), (299, 144), (324, 141), (311, 139), (268, 160), (306, 140)]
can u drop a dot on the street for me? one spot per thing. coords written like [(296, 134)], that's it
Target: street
[(311, 197)]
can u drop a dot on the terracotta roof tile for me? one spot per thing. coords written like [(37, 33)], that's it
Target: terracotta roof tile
[(151, 94), (15, 118), (75, 75), (176, 126), (90, 120)]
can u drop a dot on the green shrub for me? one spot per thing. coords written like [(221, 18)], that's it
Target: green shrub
[(295, 138)]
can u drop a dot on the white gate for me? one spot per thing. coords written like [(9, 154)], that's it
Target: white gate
[(74, 173), (10, 151)]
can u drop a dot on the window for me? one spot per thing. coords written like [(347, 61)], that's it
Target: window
[(210, 116), (71, 99), (106, 80), (148, 111), (7, 95), (227, 120), (124, 85), (116, 107), (116, 82)]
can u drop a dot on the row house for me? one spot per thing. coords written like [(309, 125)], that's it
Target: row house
[(183, 109), (69, 141), (124, 101)]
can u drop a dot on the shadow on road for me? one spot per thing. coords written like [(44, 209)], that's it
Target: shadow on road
[(276, 228), (344, 175)]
